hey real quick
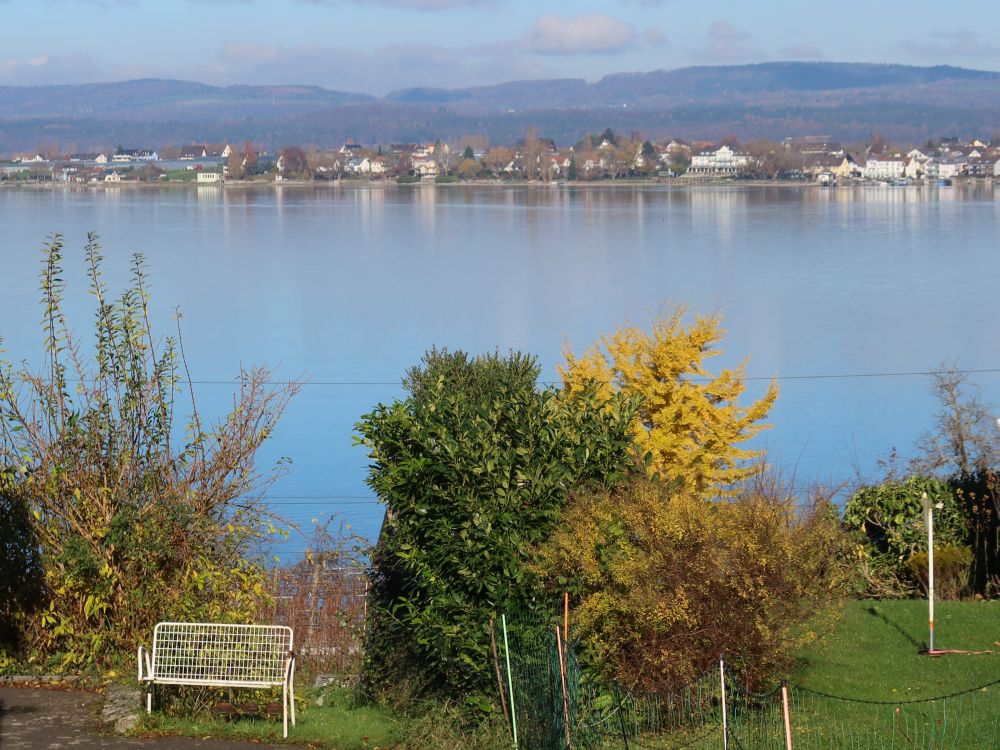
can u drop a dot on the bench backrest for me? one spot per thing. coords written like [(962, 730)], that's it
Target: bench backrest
[(203, 653)]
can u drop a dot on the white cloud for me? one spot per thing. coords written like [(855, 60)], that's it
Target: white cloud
[(727, 44), (595, 32), (75, 67)]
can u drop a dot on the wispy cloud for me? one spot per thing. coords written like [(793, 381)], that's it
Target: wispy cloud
[(577, 35), (389, 67), (949, 45), (75, 67), (727, 44), (405, 4), (802, 52)]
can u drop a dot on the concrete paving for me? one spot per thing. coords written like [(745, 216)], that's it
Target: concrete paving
[(33, 718)]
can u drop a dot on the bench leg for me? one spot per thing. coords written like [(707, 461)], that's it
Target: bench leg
[(149, 697), (284, 709)]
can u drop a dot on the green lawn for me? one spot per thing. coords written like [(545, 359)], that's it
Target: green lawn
[(874, 650), (339, 723), (867, 685)]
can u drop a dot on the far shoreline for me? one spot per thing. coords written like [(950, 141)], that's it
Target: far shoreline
[(679, 183)]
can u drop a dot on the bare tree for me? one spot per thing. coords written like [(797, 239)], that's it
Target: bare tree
[(965, 438), (531, 153)]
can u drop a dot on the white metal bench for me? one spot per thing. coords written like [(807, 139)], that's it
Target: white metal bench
[(216, 655)]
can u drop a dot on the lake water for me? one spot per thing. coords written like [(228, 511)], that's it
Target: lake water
[(834, 291)]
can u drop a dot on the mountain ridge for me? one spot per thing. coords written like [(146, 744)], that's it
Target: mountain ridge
[(776, 99)]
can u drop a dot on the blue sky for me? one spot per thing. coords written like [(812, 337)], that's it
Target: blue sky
[(375, 46)]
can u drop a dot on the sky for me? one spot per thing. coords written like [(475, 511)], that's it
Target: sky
[(376, 46)]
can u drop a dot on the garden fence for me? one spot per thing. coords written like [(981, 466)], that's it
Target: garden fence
[(555, 707)]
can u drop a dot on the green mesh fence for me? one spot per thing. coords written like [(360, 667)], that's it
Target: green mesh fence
[(606, 717)]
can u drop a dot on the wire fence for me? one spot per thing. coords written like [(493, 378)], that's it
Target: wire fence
[(554, 706)]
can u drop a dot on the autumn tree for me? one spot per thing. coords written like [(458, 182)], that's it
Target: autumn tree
[(497, 159), (294, 161), (249, 155), (690, 422), (234, 165), (469, 169)]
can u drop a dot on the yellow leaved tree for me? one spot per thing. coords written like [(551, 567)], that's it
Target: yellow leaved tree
[(690, 423)]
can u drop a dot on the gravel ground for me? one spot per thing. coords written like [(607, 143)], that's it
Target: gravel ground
[(34, 718)]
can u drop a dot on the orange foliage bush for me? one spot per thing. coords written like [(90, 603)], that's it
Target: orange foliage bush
[(665, 581)]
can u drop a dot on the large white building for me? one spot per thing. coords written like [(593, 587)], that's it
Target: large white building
[(884, 168), (719, 162)]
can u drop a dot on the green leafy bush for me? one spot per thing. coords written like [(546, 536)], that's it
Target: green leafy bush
[(891, 518), (474, 468)]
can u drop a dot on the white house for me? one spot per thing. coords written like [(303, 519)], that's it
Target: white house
[(358, 165), (425, 167), (884, 168), (113, 177), (722, 161), (101, 159), (209, 177), (952, 166)]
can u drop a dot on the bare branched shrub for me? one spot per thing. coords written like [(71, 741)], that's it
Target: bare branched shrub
[(322, 597), (136, 519)]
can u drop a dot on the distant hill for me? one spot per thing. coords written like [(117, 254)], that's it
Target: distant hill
[(152, 99), (848, 101)]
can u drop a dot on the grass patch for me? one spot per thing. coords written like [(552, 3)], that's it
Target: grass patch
[(895, 695), (874, 650), (333, 719), (339, 722)]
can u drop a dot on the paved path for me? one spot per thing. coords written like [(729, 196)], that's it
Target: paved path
[(38, 719)]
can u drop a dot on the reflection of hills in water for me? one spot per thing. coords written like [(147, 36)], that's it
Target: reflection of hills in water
[(350, 285)]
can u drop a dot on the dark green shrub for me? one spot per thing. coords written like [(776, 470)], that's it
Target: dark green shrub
[(474, 468)]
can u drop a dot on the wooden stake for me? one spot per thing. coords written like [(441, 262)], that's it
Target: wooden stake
[(562, 677), (788, 718), (496, 667), (566, 619), (722, 689)]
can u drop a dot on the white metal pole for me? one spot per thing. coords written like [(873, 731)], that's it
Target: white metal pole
[(510, 682), (929, 507), (725, 719)]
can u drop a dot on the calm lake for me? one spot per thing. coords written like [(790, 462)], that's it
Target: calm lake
[(841, 293)]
